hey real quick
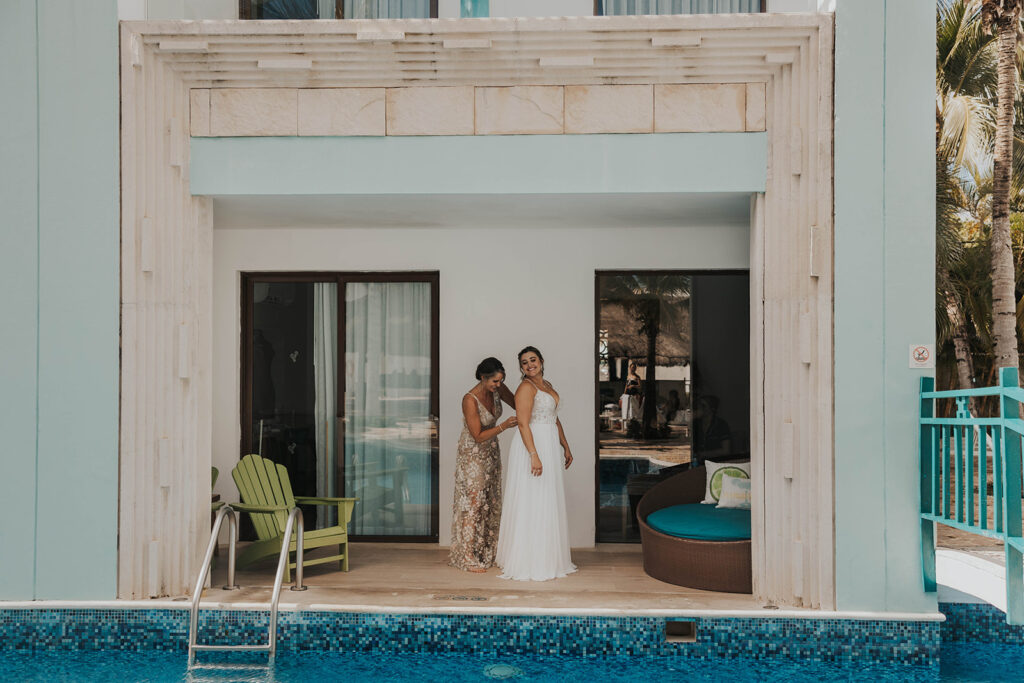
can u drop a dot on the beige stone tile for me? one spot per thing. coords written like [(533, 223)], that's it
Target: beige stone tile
[(253, 111), (199, 112), (430, 111), (609, 109), (700, 107), (755, 106), (520, 110), (417, 577), (341, 111)]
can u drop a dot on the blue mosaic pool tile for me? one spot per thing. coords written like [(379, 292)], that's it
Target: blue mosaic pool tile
[(978, 623), (818, 640)]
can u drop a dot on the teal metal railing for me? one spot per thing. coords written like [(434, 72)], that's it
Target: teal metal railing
[(971, 476)]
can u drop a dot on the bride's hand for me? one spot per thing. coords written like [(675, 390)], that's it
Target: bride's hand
[(568, 459), (536, 468)]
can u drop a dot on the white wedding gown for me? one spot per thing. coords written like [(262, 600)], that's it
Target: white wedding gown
[(533, 542)]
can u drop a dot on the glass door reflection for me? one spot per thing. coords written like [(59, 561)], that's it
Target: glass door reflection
[(388, 421), (339, 386), (673, 377)]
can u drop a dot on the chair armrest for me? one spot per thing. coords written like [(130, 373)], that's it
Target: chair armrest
[(245, 507), (345, 505), (321, 500)]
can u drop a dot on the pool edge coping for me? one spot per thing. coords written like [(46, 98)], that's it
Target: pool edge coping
[(170, 604)]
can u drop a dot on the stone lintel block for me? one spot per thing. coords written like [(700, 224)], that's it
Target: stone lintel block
[(445, 110), (199, 112), (700, 107), (341, 111), (520, 110), (609, 109), (253, 111), (756, 106)]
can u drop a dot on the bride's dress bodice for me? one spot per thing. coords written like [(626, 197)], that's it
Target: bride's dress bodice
[(545, 409)]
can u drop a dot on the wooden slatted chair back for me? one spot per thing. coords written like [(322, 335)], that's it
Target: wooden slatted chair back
[(263, 482)]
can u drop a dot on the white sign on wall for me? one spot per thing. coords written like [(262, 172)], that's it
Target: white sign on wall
[(922, 355)]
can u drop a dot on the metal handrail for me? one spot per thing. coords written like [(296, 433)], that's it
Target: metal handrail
[(197, 592), (294, 522), (282, 563)]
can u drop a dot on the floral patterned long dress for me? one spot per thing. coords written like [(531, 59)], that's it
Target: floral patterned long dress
[(477, 508)]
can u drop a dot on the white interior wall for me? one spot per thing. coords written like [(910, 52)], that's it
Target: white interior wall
[(501, 288)]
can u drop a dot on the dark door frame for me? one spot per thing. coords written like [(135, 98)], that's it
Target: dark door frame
[(245, 9), (248, 281)]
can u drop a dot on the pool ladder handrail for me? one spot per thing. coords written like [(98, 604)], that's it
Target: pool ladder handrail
[(294, 520)]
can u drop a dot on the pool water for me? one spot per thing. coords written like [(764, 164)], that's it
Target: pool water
[(960, 662)]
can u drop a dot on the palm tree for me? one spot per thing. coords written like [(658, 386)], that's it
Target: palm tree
[(952, 324), (1004, 17), (965, 81), (965, 75)]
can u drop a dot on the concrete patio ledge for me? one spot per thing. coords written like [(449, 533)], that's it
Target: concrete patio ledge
[(184, 604), (966, 574)]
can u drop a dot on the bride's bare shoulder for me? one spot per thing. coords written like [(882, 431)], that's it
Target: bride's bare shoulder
[(526, 388)]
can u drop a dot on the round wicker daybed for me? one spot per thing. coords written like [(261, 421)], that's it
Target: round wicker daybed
[(722, 566)]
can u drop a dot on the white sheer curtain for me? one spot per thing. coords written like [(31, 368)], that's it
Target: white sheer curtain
[(387, 407), (325, 380), (386, 9), (616, 7)]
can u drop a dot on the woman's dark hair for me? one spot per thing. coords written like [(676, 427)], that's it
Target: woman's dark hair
[(529, 349), (489, 367)]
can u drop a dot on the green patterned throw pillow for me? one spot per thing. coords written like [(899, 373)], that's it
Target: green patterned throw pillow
[(717, 470)]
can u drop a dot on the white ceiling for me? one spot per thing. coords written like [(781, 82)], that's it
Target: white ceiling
[(410, 211)]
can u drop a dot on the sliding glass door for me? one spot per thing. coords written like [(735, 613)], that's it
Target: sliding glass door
[(673, 382), (340, 386)]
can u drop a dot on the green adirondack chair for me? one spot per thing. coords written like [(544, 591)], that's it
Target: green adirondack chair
[(266, 494)]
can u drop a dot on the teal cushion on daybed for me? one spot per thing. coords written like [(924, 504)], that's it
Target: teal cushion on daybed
[(702, 522)]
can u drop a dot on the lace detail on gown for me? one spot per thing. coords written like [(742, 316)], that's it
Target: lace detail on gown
[(533, 544), (477, 507), (545, 409)]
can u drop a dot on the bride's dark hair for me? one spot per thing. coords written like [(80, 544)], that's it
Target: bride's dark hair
[(530, 349), (489, 367)]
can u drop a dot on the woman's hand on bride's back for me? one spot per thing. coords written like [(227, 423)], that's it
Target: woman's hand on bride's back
[(509, 423)]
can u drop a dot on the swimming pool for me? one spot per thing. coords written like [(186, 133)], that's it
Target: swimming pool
[(959, 662), (145, 644)]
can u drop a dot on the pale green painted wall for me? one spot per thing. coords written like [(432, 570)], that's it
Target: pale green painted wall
[(19, 234), (884, 293), (59, 256), (484, 164)]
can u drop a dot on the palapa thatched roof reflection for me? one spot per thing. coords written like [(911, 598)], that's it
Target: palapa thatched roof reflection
[(625, 340)]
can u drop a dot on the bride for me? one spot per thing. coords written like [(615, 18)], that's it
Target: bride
[(533, 541)]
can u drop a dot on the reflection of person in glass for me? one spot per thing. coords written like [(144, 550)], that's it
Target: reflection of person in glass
[(711, 434), (629, 402), (672, 405)]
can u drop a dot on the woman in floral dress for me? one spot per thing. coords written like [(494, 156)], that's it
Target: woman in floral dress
[(477, 508)]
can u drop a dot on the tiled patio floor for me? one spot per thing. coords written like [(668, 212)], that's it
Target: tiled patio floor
[(417, 576)]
